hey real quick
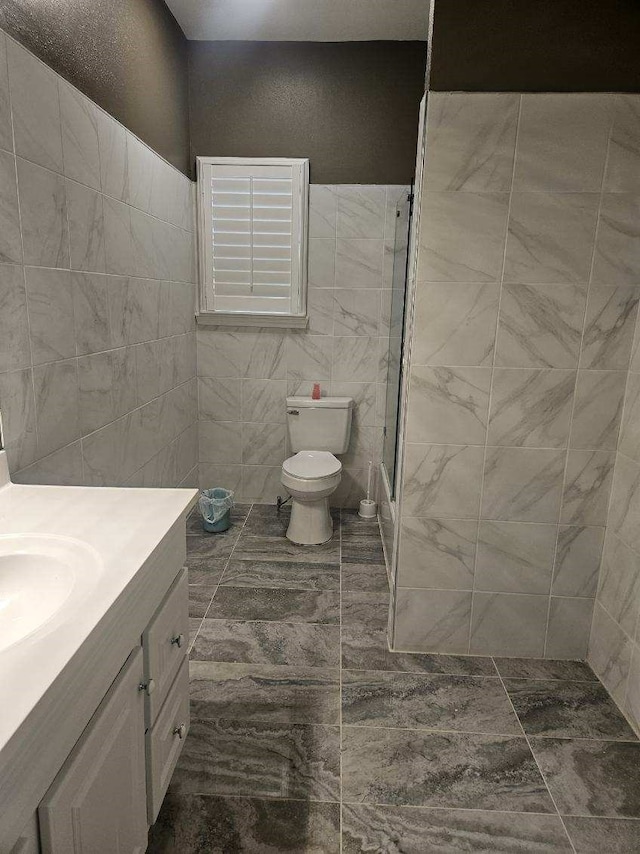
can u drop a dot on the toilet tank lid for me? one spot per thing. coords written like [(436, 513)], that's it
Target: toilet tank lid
[(323, 403)]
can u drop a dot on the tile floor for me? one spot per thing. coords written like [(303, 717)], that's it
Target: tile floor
[(308, 735)]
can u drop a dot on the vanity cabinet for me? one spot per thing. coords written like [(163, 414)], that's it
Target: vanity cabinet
[(111, 787), (97, 801)]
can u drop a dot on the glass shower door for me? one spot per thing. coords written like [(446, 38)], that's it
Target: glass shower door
[(396, 332)]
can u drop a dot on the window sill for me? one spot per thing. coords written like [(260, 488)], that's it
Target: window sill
[(275, 321)]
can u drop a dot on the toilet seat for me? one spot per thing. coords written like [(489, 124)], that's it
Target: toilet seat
[(312, 465)]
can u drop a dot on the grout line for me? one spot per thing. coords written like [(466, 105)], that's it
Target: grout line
[(192, 643), (544, 779), (491, 379)]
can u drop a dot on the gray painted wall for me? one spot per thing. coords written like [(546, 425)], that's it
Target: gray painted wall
[(350, 107), (540, 46), (129, 56)]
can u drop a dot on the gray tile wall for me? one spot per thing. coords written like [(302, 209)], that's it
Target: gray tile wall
[(97, 293), (528, 284), (614, 648), (245, 374)]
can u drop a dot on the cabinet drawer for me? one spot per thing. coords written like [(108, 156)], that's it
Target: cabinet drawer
[(165, 643), (165, 741)]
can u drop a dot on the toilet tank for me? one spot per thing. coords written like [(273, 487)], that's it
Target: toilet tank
[(319, 425)]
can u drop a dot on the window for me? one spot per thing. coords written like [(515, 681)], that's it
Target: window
[(253, 240)]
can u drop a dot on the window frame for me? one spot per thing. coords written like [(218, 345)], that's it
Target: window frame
[(211, 317)]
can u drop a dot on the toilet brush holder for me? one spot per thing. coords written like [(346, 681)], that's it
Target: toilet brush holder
[(368, 509)]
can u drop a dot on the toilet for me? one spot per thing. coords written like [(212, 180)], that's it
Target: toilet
[(317, 430)]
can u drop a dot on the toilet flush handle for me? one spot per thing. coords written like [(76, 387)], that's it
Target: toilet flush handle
[(293, 412)]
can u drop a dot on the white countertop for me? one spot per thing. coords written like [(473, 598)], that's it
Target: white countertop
[(123, 526)]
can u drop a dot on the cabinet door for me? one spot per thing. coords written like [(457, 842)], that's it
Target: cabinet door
[(97, 803)]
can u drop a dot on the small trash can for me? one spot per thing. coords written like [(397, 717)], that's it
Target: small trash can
[(215, 506)]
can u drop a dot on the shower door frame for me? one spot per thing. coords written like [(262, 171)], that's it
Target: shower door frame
[(395, 504)]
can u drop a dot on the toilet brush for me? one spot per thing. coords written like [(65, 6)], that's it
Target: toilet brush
[(367, 505)]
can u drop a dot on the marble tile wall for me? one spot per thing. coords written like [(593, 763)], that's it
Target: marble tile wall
[(614, 648), (97, 292), (527, 297), (245, 374)]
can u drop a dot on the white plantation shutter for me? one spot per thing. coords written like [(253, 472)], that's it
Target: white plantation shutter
[(254, 223)]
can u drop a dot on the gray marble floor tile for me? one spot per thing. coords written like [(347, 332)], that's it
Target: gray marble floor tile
[(211, 824), (296, 644), (200, 596), (367, 610), (530, 668), (563, 709), (595, 835), (261, 692), (207, 575), (281, 549), (418, 701), (411, 830), (207, 547), (591, 777), (289, 574), (276, 604), (367, 649), (363, 551), (365, 577), (239, 513), (260, 759), (406, 767)]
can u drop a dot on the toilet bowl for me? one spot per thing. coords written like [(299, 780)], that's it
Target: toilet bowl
[(316, 429), (311, 477)]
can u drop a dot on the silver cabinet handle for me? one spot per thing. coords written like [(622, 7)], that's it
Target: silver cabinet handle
[(178, 640), (180, 731), (149, 686)]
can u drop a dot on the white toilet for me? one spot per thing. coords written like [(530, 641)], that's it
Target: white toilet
[(317, 430)]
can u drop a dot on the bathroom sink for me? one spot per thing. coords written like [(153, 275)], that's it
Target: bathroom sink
[(39, 576)]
